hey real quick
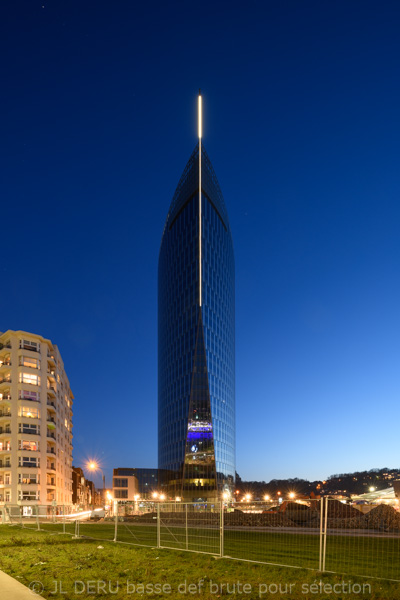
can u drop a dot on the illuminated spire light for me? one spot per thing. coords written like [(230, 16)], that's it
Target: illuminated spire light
[(200, 120), (200, 116)]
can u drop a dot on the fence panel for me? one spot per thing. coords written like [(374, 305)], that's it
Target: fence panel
[(137, 523), (363, 544), (287, 535), (190, 526)]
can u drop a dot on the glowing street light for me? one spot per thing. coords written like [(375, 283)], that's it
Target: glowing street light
[(93, 466), (372, 489), (162, 496), (266, 497), (155, 494), (292, 495), (248, 497)]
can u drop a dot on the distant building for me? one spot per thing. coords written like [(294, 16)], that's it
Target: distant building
[(147, 480), (83, 490), (125, 485), (35, 422)]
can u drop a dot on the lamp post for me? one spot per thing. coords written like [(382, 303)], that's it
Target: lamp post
[(95, 467)]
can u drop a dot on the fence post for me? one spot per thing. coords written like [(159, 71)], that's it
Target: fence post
[(37, 517), (321, 529), (20, 516), (76, 528), (116, 520), (187, 531), (64, 518), (158, 526), (325, 533), (221, 532)]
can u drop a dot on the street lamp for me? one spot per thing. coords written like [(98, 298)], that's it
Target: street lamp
[(95, 467)]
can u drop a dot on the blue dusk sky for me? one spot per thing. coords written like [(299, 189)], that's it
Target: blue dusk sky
[(302, 124)]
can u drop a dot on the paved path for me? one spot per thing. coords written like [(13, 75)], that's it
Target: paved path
[(11, 589)]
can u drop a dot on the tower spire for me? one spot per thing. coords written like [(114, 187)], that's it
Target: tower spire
[(200, 133)]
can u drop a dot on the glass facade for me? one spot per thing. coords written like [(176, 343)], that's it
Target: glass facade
[(196, 343)]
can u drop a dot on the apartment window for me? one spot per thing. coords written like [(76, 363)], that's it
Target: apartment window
[(8, 496), (28, 495), (29, 413), (28, 478), (28, 345), (120, 483), (28, 461), (27, 445), (120, 493), (28, 395), (27, 428), (5, 445), (7, 479), (29, 378), (26, 361)]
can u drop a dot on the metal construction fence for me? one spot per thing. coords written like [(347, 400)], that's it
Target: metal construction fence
[(323, 535)]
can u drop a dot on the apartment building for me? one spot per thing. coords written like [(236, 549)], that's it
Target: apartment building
[(35, 422)]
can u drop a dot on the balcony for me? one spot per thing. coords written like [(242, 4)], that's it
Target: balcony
[(29, 347), (5, 364), (5, 380), (28, 466), (6, 398), (5, 430), (51, 435), (5, 448), (29, 432), (50, 420), (29, 399), (51, 467), (5, 465), (28, 482), (51, 405), (51, 483), (5, 414), (51, 390), (51, 450)]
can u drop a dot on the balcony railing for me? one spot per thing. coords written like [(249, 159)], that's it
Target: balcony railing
[(5, 399), (29, 347), (51, 451), (51, 467), (7, 430), (5, 465), (51, 435), (29, 432), (29, 399), (29, 482), (5, 413), (7, 345), (28, 466), (51, 404), (5, 380), (51, 420), (5, 364)]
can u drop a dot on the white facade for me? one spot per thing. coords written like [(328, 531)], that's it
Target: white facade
[(35, 422)]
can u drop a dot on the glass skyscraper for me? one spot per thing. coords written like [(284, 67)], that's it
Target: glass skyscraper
[(196, 339)]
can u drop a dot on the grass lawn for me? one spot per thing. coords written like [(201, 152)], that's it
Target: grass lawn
[(69, 569), (363, 555)]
